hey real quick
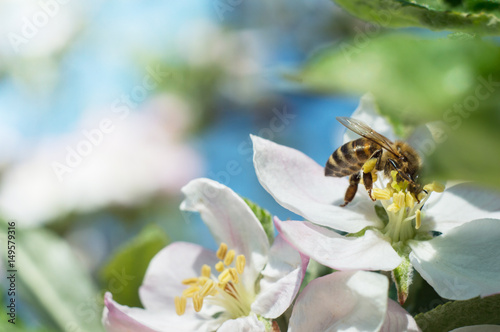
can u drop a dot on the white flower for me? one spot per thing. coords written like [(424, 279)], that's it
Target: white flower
[(349, 301), (242, 287), (460, 264)]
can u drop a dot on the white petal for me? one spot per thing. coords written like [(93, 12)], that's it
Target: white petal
[(120, 318), (368, 252), (281, 280), (231, 221), (243, 324), (462, 263), (299, 184), (341, 301), (398, 319), (478, 328), (367, 112), (163, 279), (458, 205)]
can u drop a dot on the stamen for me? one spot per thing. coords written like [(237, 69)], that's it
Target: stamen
[(205, 271), (381, 194), (189, 292), (229, 257), (399, 199), (421, 196), (225, 276), (240, 264), (435, 186), (207, 288), (190, 281), (180, 305), (393, 208), (221, 252), (369, 165), (234, 275), (410, 200), (197, 302), (418, 219), (219, 266)]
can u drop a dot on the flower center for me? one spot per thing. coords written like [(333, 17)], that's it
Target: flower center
[(403, 207), (224, 290)]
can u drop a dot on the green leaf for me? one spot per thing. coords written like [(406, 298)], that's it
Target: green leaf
[(265, 218), (415, 81), (452, 315), (49, 270), (467, 16), (403, 277), (124, 273)]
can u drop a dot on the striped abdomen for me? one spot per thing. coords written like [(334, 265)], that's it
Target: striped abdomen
[(350, 157)]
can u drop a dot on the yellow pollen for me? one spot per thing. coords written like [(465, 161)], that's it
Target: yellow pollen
[(229, 257), (410, 200), (221, 252), (205, 271), (190, 281), (189, 292), (434, 186), (418, 219), (374, 177), (219, 266), (180, 305), (369, 165), (399, 199), (240, 264), (197, 302), (381, 194)]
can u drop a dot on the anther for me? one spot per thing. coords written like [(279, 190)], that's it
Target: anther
[(189, 292), (180, 305), (225, 276), (410, 200), (234, 275), (190, 281), (219, 266), (206, 271), (229, 257), (435, 186), (207, 288), (399, 199), (197, 302), (418, 219), (381, 194), (240, 263), (221, 252)]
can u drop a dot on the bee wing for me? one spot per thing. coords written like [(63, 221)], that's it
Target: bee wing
[(364, 130)]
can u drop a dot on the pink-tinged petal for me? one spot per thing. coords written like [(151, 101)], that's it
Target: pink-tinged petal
[(118, 318), (462, 263), (367, 252), (163, 279), (281, 279), (231, 221), (341, 301), (244, 324), (300, 185), (398, 319), (478, 328), (367, 112), (458, 205)]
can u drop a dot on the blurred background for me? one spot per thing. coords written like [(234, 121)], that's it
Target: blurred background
[(108, 108)]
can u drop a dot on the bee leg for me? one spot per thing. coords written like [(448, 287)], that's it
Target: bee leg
[(351, 190), (368, 182)]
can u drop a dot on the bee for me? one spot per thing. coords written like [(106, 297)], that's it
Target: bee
[(372, 152)]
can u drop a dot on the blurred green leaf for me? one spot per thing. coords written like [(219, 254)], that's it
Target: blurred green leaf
[(455, 314), (124, 273), (51, 272), (264, 217), (468, 16), (416, 81)]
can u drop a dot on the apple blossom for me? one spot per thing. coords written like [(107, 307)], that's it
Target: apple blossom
[(395, 233), (242, 287)]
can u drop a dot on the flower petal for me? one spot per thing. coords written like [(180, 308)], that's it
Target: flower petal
[(367, 112), (368, 252), (460, 204), (163, 279), (231, 221), (462, 263), (118, 318), (281, 280), (398, 319), (341, 301), (244, 324), (299, 184)]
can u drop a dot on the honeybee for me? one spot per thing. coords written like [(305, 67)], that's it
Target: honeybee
[(377, 153)]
